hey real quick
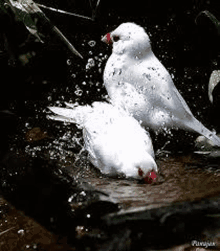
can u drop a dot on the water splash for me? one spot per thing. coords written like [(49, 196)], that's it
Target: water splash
[(78, 92), (90, 64), (147, 76), (92, 43), (68, 62)]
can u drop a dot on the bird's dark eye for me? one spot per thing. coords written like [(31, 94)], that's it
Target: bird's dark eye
[(115, 38)]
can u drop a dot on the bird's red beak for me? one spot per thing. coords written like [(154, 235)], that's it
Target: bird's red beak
[(107, 39), (150, 177)]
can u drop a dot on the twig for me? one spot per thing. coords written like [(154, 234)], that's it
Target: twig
[(3, 232), (90, 2), (29, 7), (95, 10), (63, 12)]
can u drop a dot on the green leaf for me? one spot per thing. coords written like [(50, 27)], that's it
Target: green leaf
[(23, 10)]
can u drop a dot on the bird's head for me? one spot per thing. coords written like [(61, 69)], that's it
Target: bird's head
[(129, 38), (146, 169)]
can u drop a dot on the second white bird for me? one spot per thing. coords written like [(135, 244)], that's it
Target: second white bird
[(136, 80), (116, 142)]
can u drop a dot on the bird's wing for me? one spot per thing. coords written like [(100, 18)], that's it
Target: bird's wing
[(182, 101), (89, 146)]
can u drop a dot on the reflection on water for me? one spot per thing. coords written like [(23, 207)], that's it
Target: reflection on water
[(181, 178)]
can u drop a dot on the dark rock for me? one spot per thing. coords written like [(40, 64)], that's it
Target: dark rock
[(172, 225), (50, 195)]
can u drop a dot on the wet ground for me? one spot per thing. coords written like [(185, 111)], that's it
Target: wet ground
[(182, 178)]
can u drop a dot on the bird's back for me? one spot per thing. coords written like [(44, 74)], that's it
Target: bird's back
[(146, 89)]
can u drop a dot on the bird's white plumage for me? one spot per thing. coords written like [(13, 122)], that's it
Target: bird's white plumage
[(116, 142), (135, 79)]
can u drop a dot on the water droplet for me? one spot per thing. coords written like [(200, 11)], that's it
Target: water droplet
[(21, 231), (34, 246), (78, 92), (148, 76), (91, 61), (83, 193), (90, 64), (153, 87), (120, 83), (92, 43), (68, 62), (90, 53), (136, 57)]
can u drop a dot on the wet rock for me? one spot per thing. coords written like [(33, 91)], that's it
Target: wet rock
[(203, 144), (51, 195), (35, 134), (172, 225), (7, 127)]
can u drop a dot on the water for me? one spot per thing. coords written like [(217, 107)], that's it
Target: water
[(181, 178)]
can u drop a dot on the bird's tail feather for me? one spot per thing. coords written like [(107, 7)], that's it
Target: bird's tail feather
[(75, 115), (58, 118), (210, 135), (201, 129)]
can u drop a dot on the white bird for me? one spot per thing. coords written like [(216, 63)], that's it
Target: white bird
[(115, 141), (136, 80)]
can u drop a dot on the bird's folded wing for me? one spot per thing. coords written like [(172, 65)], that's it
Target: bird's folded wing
[(182, 101)]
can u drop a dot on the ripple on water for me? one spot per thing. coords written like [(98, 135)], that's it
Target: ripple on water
[(181, 178)]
